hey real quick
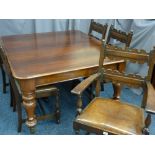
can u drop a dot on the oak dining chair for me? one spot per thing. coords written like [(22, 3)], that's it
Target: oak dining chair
[(110, 116)]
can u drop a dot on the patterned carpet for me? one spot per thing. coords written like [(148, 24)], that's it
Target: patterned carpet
[(8, 118)]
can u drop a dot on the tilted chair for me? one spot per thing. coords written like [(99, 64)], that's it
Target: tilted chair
[(41, 92), (109, 116), (120, 36), (99, 28)]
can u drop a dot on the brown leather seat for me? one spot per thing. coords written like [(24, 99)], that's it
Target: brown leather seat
[(106, 114)]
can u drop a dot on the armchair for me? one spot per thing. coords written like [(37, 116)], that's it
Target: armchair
[(112, 116)]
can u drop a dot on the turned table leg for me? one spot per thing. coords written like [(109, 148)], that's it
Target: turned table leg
[(29, 103)]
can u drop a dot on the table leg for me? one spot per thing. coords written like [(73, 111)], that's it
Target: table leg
[(117, 87), (29, 103)]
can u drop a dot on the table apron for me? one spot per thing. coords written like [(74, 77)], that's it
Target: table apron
[(70, 75)]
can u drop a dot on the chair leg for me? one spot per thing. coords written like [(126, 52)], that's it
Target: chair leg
[(11, 96), (12, 99), (19, 111), (57, 106), (4, 80), (18, 101), (145, 130), (117, 91)]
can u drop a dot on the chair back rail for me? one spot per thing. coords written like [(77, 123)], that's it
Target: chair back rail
[(115, 76), (120, 36), (121, 78), (131, 55), (97, 27)]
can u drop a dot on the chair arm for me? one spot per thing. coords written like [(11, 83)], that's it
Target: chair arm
[(150, 102), (78, 90)]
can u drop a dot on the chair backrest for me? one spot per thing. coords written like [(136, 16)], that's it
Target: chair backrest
[(121, 36), (97, 27), (132, 55), (8, 69), (5, 61)]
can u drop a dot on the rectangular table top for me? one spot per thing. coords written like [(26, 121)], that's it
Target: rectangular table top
[(42, 54)]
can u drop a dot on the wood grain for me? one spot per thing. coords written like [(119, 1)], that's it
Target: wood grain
[(46, 58)]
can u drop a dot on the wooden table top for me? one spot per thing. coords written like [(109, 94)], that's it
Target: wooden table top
[(42, 54)]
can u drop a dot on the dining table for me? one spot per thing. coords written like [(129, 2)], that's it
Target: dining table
[(39, 59)]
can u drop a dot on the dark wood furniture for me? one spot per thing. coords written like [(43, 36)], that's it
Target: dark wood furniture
[(121, 36), (40, 92), (153, 78), (5, 84), (100, 31), (113, 116), (47, 58), (99, 28)]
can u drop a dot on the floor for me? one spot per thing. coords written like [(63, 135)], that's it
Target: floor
[(8, 118)]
